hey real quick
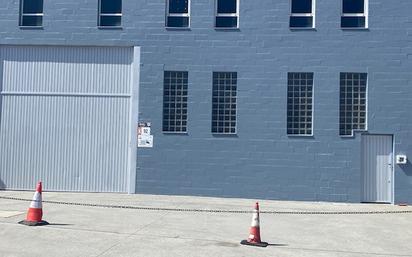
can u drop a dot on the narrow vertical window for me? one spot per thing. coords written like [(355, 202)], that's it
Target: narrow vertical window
[(300, 105), (177, 14), (224, 102), (302, 14), (227, 14), (175, 101), (31, 13), (354, 14), (352, 103), (110, 13)]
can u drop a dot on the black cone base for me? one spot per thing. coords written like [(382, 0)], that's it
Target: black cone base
[(33, 223), (261, 244)]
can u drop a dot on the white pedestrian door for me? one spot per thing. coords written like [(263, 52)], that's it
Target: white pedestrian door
[(377, 168)]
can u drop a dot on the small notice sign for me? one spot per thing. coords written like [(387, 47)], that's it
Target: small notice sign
[(144, 138)]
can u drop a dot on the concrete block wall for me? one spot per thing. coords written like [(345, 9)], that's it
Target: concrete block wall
[(260, 161)]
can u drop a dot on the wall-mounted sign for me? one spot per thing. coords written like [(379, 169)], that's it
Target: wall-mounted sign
[(144, 138)]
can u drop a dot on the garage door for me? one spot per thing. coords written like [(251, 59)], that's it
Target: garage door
[(66, 118)]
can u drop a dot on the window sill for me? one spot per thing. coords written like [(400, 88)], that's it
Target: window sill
[(302, 29), (178, 28), (110, 27), (227, 29), (31, 27), (354, 132), (175, 133), (300, 136), (355, 28), (224, 134)]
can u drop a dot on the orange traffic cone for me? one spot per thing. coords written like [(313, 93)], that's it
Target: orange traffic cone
[(254, 236), (35, 213)]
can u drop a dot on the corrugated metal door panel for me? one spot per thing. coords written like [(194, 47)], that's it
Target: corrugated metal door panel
[(377, 168), (72, 142), (103, 70)]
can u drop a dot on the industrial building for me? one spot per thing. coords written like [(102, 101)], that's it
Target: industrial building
[(290, 99)]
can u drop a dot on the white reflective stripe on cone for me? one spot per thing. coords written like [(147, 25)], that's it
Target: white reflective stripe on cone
[(255, 220), (36, 203)]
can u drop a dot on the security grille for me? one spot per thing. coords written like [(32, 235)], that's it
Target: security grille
[(352, 102), (224, 102), (300, 95), (175, 101)]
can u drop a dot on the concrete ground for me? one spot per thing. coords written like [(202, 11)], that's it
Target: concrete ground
[(92, 231)]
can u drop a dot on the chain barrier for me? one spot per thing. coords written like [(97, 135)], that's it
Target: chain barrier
[(212, 210)]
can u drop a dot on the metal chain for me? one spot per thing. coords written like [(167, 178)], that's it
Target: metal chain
[(212, 210)]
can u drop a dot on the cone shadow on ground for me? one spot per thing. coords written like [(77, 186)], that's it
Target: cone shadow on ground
[(269, 244), (261, 244), (59, 224)]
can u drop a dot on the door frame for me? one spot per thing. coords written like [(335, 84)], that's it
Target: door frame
[(392, 172)]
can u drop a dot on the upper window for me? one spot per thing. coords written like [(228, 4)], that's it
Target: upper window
[(177, 14), (354, 14), (31, 13), (110, 13), (302, 14), (224, 102), (299, 109), (352, 103), (227, 14), (175, 101)]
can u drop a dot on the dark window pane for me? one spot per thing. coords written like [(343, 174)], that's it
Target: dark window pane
[(32, 21), (110, 21), (226, 6), (353, 22), (301, 6), (226, 22), (301, 22), (353, 6), (33, 6), (110, 6), (177, 22), (178, 6)]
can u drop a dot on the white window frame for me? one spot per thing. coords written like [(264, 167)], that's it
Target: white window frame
[(364, 14), (312, 14), (22, 15), (177, 15), (100, 14), (227, 15)]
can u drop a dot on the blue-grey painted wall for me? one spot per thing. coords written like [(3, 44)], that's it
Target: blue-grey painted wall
[(261, 161)]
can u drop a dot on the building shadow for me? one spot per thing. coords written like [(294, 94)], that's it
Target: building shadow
[(2, 185), (407, 168)]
